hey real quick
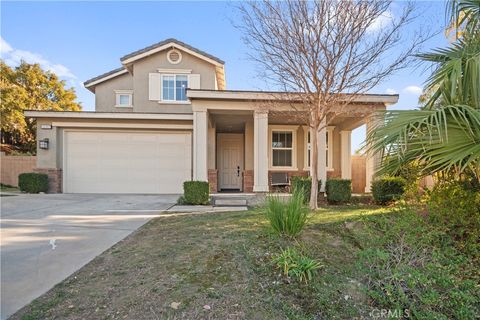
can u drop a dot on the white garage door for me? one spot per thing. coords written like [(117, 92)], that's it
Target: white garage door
[(126, 162)]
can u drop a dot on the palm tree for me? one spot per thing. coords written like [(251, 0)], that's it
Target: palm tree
[(445, 134)]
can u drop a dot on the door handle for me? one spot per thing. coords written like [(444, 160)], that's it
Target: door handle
[(238, 171)]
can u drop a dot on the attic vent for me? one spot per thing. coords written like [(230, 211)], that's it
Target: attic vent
[(174, 56)]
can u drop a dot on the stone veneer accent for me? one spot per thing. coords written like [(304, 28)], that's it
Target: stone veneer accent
[(54, 178), (248, 181), (212, 180), (334, 174)]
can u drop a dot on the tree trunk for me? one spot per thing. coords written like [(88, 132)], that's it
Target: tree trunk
[(314, 169)]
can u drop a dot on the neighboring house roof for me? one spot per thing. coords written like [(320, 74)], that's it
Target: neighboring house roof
[(273, 95), (162, 45), (128, 59)]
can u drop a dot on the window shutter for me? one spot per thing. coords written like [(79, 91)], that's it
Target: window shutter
[(194, 81), (154, 86)]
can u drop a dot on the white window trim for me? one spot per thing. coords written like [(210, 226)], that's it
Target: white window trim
[(123, 92), (174, 71), (163, 101), (174, 102), (329, 129), (284, 128)]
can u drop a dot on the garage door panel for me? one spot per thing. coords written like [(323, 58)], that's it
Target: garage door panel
[(126, 162)]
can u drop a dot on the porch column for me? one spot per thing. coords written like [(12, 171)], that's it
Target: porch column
[(200, 129), (372, 162), (322, 155), (346, 154), (260, 151)]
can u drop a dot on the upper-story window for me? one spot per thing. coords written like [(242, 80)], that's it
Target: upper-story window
[(174, 87), (123, 98)]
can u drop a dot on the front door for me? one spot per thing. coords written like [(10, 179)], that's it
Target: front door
[(230, 161)]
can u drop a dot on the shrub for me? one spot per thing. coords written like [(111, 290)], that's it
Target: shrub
[(32, 182), (287, 217), (455, 208), (409, 263), (304, 185), (338, 190), (295, 265), (196, 192), (388, 189), (411, 173), (181, 200)]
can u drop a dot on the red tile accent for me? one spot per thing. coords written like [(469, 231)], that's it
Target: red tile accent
[(212, 180), (334, 174), (54, 178), (248, 181)]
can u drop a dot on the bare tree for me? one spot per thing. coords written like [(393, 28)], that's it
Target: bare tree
[(326, 53)]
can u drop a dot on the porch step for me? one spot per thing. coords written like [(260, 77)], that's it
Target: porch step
[(229, 202)]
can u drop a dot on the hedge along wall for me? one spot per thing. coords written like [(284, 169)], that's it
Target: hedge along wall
[(12, 166)]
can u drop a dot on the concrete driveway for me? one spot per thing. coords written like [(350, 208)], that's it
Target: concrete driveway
[(45, 238)]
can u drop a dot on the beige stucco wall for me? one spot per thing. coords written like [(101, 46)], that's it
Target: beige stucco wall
[(249, 145), (143, 67), (105, 93), (336, 155), (53, 157), (138, 82), (211, 145), (300, 148), (47, 158)]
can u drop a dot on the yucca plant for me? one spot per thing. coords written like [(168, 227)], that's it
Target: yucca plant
[(295, 265), (287, 217)]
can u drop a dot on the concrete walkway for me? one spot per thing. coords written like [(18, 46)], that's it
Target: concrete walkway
[(204, 209), (45, 238)]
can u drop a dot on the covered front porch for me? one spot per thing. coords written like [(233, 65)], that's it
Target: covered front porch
[(238, 146)]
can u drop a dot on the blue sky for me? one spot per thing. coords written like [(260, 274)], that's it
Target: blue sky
[(80, 40)]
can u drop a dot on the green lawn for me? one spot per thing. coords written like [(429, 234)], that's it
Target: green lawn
[(218, 266)]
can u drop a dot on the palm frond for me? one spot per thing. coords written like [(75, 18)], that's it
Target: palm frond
[(441, 139), (464, 15), (457, 77)]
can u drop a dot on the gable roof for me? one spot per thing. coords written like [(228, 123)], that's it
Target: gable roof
[(162, 45), (105, 76), (159, 46)]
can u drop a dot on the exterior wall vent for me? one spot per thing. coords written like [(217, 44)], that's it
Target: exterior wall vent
[(174, 56)]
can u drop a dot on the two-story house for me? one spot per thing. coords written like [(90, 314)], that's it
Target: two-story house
[(165, 117)]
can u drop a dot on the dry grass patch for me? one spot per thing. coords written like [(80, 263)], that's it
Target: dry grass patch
[(213, 266)]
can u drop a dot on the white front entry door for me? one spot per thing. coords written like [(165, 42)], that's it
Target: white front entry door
[(230, 160)]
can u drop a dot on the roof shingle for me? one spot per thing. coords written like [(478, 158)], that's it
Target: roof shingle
[(106, 74), (164, 42)]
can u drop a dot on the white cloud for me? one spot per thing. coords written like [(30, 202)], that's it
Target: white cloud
[(13, 57), (4, 46), (391, 91), (381, 21), (413, 90)]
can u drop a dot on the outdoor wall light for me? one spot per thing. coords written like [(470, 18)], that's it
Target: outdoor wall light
[(43, 144)]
